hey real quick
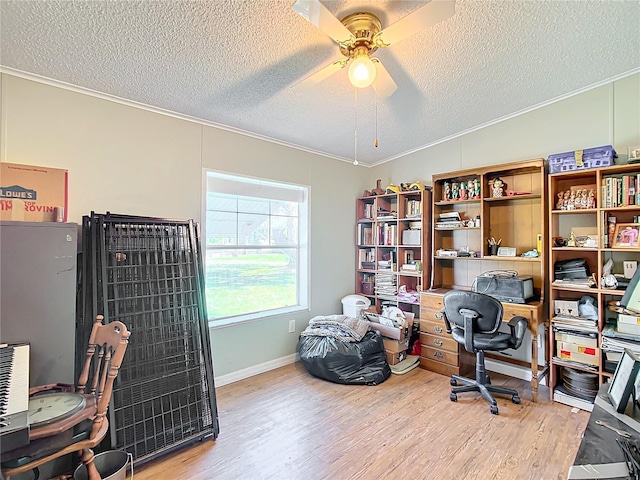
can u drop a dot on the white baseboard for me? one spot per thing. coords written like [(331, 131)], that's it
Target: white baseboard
[(511, 370), (255, 370)]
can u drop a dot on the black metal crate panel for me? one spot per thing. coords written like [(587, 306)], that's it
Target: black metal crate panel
[(147, 273)]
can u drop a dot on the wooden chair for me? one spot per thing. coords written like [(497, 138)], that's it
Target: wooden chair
[(81, 431)]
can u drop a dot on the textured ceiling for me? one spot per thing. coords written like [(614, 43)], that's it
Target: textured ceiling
[(235, 63)]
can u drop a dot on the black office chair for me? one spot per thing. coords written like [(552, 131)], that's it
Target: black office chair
[(473, 320)]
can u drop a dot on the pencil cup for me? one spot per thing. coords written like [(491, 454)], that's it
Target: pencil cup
[(493, 250)]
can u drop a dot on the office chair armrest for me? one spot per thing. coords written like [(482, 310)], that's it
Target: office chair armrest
[(447, 324), (518, 326)]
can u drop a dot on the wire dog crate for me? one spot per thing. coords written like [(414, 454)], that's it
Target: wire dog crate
[(147, 273)]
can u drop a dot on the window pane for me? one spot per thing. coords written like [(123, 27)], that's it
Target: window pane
[(284, 231), (248, 281), (221, 228), (253, 229), (222, 202), (284, 208), (253, 205)]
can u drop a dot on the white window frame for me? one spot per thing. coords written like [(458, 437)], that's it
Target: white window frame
[(243, 185)]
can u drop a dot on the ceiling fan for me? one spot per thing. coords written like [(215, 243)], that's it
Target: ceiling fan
[(359, 35)]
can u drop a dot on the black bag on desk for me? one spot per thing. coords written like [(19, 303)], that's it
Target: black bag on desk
[(568, 269)]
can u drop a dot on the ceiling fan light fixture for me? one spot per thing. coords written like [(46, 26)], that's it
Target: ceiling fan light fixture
[(362, 71)]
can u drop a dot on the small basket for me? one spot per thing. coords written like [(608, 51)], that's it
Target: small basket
[(367, 288)]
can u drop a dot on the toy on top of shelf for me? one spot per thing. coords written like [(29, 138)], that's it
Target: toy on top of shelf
[(447, 191), (497, 187), (391, 188), (455, 191), (378, 190), (463, 190), (476, 188)]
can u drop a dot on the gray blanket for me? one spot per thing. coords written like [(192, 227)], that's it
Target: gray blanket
[(342, 327)]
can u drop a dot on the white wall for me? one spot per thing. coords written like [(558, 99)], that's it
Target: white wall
[(128, 160)]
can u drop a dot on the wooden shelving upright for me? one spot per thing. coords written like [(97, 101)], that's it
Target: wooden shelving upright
[(381, 237)]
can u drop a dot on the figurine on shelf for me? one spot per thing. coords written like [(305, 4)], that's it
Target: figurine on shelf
[(560, 202), (463, 190), (476, 188), (378, 190), (583, 198), (591, 199), (447, 191), (455, 191), (498, 187), (571, 205), (565, 200)]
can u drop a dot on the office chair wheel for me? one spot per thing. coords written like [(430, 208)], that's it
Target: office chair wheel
[(453, 382), (453, 397), (494, 409), (515, 399)]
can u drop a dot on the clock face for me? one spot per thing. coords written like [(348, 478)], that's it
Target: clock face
[(44, 409)]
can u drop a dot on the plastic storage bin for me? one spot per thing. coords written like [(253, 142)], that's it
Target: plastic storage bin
[(353, 304), (582, 159)]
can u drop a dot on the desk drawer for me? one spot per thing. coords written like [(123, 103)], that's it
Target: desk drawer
[(511, 310), (433, 328), (431, 314), (440, 356), (430, 300), (437, 367), (440, 343)]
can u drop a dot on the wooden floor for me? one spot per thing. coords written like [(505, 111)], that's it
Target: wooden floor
[(286, 424)]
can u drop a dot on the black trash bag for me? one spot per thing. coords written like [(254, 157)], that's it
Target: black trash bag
[(351, 363)]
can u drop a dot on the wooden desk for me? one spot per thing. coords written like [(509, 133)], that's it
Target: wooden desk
[(433, 339)]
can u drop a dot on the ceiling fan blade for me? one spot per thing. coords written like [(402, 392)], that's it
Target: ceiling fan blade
[(433, 12), (383, 84), (322, 74), (322, 18)]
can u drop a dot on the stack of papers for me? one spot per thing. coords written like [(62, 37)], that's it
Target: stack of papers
[(575, 283), (614, 341)]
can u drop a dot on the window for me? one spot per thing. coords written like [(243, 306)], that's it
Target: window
[(256, 247)]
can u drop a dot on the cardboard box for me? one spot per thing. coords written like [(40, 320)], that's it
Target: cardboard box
[(566, 307), (629, 324), (390, 332), (32, 194), (395, 358), (395, 346)]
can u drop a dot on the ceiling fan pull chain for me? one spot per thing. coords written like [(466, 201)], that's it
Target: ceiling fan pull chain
[(375, 143), (355, 124)]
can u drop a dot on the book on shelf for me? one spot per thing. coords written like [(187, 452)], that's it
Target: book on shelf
[(411, 267), (413, 208), (621, 191), (449, 215), (448, 225)]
